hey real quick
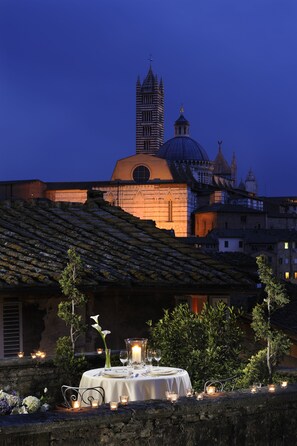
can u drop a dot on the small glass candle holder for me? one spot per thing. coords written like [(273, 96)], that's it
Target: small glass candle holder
[(271, 388), (42, 355), (124, 400), (99, 351), (284, 384), (95, 403), (173, 397), (20, 354), (189, 393), (254, 389), (75, 404), (200, 396), (33, 355), (211, 390), (113, 405)]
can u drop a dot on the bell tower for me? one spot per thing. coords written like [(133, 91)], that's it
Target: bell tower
[(149, 114)]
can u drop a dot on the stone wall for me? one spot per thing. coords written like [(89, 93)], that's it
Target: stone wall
[(238, 419)]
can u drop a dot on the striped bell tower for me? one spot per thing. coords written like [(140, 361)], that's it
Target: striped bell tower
[(149, 114)]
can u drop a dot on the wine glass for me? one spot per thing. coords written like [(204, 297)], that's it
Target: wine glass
[(149, 357), (124, 357), (157, 356)]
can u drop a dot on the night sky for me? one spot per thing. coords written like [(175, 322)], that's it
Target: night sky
[(68, 70)]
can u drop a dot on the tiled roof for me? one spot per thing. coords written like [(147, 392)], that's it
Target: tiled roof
[(115, 247)]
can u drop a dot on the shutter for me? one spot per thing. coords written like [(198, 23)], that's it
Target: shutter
[(11, 327)]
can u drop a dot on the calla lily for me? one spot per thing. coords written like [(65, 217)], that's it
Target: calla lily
[(103, 333)]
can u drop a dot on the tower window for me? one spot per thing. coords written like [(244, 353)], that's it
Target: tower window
[(147, 145), (286, 245), (147, 116), (141, 174), (287, 275), (146, 130)]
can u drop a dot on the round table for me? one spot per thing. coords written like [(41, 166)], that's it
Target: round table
[(142, 384)]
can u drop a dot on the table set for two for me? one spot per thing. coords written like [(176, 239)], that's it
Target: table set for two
[(142, 384)]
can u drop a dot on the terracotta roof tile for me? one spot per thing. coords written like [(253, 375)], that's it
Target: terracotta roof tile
[(115, 247)]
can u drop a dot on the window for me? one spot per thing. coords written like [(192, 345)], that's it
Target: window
[(147, 99), (146, 145), (286, 261), (170, 210), (287, 275), (280, 261), (141, 174), (295, 274), (147, 116), (226, 244), (286, 245), (146, 130), (11, 327)]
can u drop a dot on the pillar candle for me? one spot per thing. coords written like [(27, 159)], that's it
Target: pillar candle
[(136, 353)]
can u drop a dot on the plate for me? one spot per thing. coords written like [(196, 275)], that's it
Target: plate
[(163, 372), (114, 374)]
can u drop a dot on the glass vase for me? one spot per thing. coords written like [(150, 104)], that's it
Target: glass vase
[(107, 359)]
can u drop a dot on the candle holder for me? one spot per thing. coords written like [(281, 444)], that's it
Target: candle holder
[(20, 354), (124, 400), (200, 396), (189, 393), (254, 389), (75, 404), (94, 403), (113, 405), (211, 390), (271, 388), (136, 348), (284, 384)]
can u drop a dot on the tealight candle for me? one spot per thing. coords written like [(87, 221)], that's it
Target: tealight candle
[(189, 392), (284, 384), (210, 390), (99, 351), (173, 397), (200, 396), (253, 389), (20, 354), (271, 388), (95, 403), (113, 405), (124, 399), (33, 355), (42, 355), (75, 404)]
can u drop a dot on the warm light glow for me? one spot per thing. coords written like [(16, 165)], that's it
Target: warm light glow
[(200, 396), (136, 353), (75, 404), (99, 351), (95, 403), (271, 388), (20, 354), (254, 389), (189, 392), (173, 397), (124, 399), (113, 405), (284, 384), (210, 390), (33, 355)]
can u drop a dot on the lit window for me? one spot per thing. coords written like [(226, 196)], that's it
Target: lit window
[(286, 245), (287, 275), (170, 210), (295, 274)]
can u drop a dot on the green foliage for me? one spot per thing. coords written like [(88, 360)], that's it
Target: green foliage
[(68, 310), (70, 367), (256, 371), (277, 343), (207, 345)]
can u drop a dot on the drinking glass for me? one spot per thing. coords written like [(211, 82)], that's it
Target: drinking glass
[(157, 356), (124, 357), (149, 357)]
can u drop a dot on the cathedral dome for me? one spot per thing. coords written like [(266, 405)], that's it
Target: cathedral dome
[(182, 148)]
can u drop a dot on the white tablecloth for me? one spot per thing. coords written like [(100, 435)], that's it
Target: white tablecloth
[(142, 385)]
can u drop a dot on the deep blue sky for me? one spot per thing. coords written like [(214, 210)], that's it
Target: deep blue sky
[(68, 70)]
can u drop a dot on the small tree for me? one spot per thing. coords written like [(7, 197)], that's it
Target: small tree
[(68, 310), (70, 367), (277, 343)]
